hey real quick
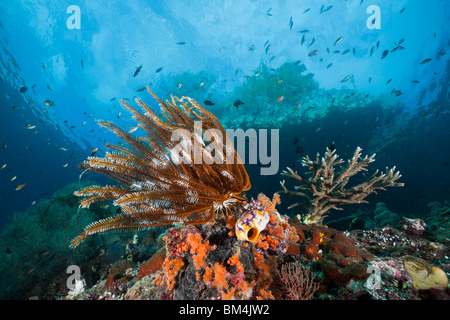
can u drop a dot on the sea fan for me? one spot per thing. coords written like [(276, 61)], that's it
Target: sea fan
[(165, 180)]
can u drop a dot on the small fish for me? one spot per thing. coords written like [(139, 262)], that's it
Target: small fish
[(84, 122), (13, 178), (182, 43), (252, 48), (49, 103), (338, 40), (43, 66), (313, 40), (141, 89), (318, 129), (82, 64), (23, 89), (398, 48), (426, 61), (303, 40), (65, 165), (15, 107), (415, 81), (7, 250), (388, 81), (326, 9), (297, 106), (201, 83), (345, 51), (63, 149), (159, 69), (179, 85), (280, 98), (332, 147), (291, 23), (332, 102), (208, 103), (112, 99), (345, 79), (401, 41), (303, 31), (3, 166), (268, 48), (237, 103), (403, 9), (279, 81), (313, 53), (20, 186), (306, 10), (384, 54), (370, 79), (372, 50), (133, 129), (137, 71), (299, 150), (48, 87), (329, 65), (93, 151), (30, 127), (267, 12)]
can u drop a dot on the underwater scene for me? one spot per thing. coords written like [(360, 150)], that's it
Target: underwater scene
[(225, 150)]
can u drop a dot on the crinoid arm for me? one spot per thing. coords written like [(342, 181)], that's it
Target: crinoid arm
[(154, 187)]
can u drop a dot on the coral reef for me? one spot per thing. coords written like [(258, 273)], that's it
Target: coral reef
[(326, 189)]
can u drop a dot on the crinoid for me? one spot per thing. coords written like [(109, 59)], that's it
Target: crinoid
[(169, 176)]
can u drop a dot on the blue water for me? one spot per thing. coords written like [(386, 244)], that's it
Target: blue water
[(88, 70)]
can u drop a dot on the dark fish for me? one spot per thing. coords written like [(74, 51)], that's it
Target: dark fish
[(112, 99), (425, 61), (7, 251), (237, 103), (322, 10), (398, 48), (299, 150), (388, 81), (182, 43), (384, 54), (291, 23), (329, 65), (295, 141), (370, 79), (345, 51), (313, 40), (297, 62), (332, 147), (304, 31), (303, 40), (336, 51), (267, 12), (82, 64), (267, 48), (48, 87), (415, 81), (354, 51), (378, 44), (306, 10), (23, 89), (332, 102), (401, 41), (159, 69), (208, 103), (137, 71), (403, 9), (140, 89)]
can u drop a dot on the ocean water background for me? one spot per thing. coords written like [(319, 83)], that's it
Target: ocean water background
[(225, 45)]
